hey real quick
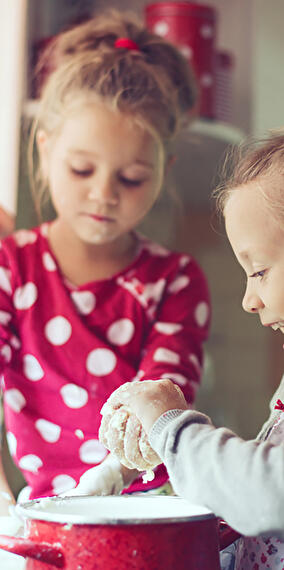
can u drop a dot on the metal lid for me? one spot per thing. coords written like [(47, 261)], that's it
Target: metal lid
[(113, 510)]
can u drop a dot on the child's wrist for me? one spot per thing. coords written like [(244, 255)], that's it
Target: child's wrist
[(128, 475)]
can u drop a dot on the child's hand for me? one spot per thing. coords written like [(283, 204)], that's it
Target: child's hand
[(121, 432), (108, 478), (148, 400)]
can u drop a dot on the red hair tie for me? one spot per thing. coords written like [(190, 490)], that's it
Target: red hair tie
[(279, 406), (126, 43)]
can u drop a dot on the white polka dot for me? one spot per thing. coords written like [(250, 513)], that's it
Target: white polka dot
[(92, 451), (24, 237), (15, 399), (206, 80), (138, 376), (186, 51), (168, 328), (206, 31), (101, 361), (166, 355), (184, 260), (6, 352), (193, 358), (161, 28), (32, 368), (154, 291), (178, 284), (201, 313), (12, 442), (5, 317), (24, 495), (5, 280), (121, 332), (48, 261), (25, 296), (49, 431), (178, 378), (74, 396), (62, 483), (79, 433), (58, 330), (15, 342), (85, 301), (30, 463)]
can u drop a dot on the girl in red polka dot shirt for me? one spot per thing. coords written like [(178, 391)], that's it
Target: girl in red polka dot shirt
[(86, 302)]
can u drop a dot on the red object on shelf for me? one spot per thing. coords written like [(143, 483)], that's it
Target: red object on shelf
[(224, 86), (192, 28)]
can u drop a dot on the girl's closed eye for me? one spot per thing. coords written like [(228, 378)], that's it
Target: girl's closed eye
[(259, 273), (131, 181), (84, 172)]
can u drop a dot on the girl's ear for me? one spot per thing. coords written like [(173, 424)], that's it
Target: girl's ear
[(42, 147)]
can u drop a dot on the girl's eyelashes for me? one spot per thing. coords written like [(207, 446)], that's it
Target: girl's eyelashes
[(259, 273), (130, 181), (84, 172)]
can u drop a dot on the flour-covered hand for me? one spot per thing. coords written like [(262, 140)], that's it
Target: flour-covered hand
[(148, 400), (124, 436), (104, 479)]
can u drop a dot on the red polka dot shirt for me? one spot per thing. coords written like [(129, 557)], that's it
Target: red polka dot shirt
[(64, 349)]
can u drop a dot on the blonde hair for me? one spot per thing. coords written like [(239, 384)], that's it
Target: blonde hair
[(154, 84), (255, 160)]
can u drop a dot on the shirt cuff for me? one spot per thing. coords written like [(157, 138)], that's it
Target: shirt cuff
[(162, 422)]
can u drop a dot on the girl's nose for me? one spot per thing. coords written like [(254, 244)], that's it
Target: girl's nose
[(252, 303), (103, 190)]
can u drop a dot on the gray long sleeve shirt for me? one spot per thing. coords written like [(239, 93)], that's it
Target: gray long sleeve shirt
[(240, 481)]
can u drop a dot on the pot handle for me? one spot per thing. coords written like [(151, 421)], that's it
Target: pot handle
[(42, 551), (227, 535)]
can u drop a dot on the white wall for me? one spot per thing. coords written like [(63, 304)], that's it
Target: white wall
[(12, 61), (253, 30), (268, 68)]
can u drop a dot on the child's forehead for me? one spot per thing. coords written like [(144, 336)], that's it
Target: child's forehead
[(103, 114), (244, 195), (255, 192), (95, 132), (248, 214)]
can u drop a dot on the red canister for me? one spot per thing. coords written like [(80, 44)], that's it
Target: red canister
[(192, 28)]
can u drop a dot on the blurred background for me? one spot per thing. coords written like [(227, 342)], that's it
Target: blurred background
[(236, 49)]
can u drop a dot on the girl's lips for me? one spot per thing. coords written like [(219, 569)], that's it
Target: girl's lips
[(99, 218)]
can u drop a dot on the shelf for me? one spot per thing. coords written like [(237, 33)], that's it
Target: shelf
[(217, 130)]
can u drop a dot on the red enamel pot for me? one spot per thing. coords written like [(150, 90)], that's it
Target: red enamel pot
[(126, 532)]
